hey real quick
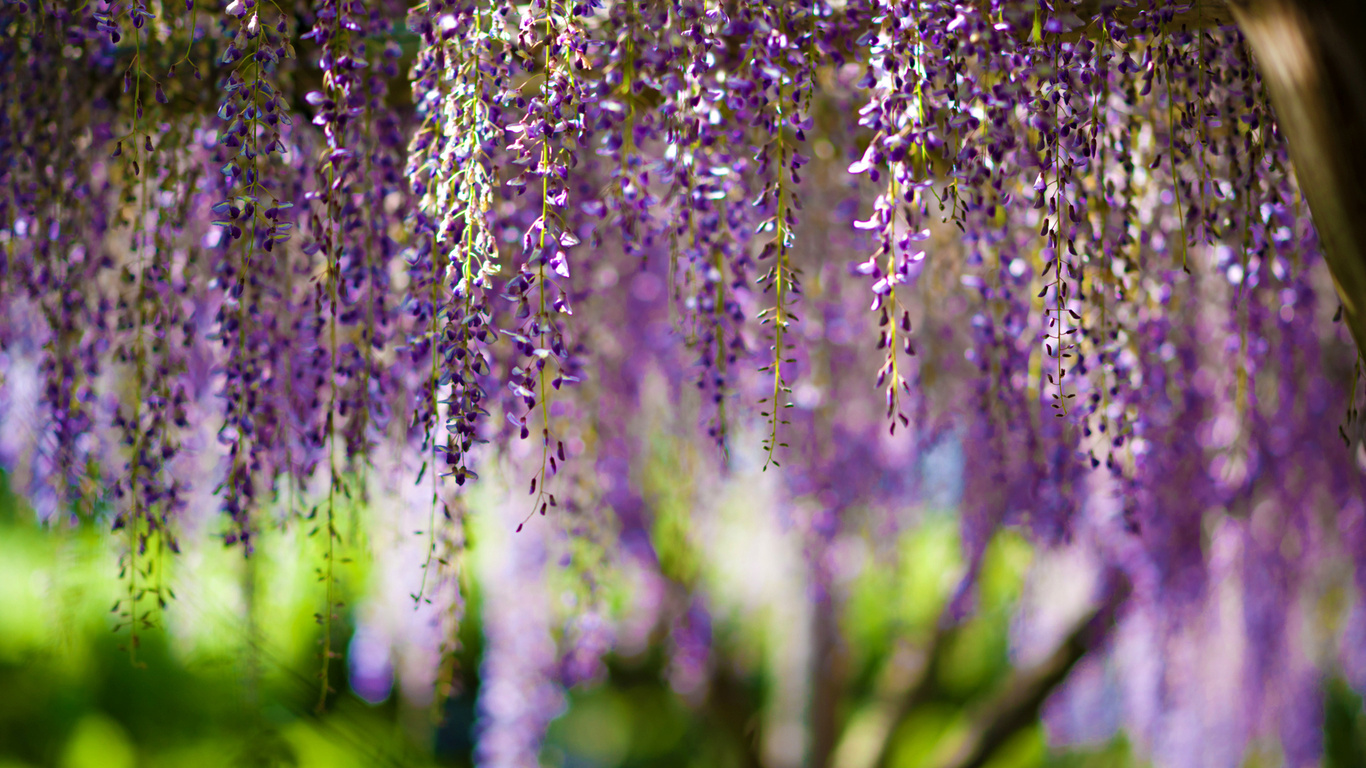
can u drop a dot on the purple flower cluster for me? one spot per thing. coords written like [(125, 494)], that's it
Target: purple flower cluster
[(254, 218)]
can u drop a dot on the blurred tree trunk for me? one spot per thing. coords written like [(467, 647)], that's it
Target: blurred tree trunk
[(827, 682), (1312, 57)]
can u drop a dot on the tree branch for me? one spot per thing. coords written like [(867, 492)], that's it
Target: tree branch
[(906, 683), (1022, 696), (867, 741), (1017, 705)]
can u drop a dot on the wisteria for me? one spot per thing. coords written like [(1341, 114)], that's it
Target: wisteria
[(329, 246)]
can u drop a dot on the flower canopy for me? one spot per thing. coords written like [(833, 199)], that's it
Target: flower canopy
[(258, 258)]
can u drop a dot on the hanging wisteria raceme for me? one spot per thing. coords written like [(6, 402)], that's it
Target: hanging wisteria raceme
[(56, 213), (1062, 238), (254, 221)]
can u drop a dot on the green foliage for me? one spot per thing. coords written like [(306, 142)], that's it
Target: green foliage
[(215, 692), (1344, 727)]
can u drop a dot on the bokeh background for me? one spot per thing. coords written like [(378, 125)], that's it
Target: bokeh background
[(227, 675)]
